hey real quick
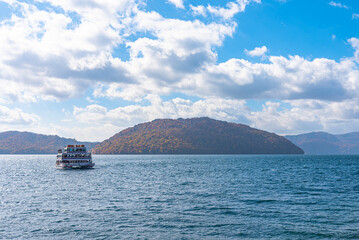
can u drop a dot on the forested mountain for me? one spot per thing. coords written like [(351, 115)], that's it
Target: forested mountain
[(325, 143), (195, 136), (14, 142)]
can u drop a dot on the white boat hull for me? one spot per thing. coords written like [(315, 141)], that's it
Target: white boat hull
[(74, 165)]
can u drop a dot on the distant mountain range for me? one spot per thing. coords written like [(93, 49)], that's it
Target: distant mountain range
[(14, 142), (188, 136), (195, 136), (325, 143)]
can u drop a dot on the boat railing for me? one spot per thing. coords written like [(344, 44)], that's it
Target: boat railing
[(72, 157)]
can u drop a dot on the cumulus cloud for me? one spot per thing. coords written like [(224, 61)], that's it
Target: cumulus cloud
[(198, 10), (177, 3), (47, 55), (51, 61), (226, 13), (180, 58), (122, 117), (174, 108), (162, 63), (17, 117), (308, 115), (283, 78), (355, 44), (257, 52), (60, 54), (285, 121), (197, 74), (96, 123), (288, 117)]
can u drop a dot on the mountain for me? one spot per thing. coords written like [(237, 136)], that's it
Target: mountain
[(195, 136), (325, 143), (14, 142)]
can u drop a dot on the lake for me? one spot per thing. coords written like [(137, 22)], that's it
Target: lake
[(181, 197)]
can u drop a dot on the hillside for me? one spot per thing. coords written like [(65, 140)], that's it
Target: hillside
[(325, 143), (195, 136), (13, 142)]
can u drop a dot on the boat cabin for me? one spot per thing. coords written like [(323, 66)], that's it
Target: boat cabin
[(73, 152), (75, 149)]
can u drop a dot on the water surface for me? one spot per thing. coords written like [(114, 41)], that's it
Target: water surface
[(181, 197)]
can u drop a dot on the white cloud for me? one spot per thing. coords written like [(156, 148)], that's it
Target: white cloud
[(197, 74), (177, 3), (93, 112), (285, 121), (17, 117), (243, 3), (198, 10), (308, 115), (96, 122), (355, 44), (355, 16), (289, 117), (337, 4), (283, 78), (104, 10), (123, 117), (174, 56), (43, 57), (89, 133), (257, 52), (227, 13), (52, 55), (174, 108)]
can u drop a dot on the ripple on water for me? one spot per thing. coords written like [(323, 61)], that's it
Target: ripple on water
[(181, 197)]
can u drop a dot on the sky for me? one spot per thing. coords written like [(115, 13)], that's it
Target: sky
[(89, 69)]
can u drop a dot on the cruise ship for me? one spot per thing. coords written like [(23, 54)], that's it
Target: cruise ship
[(74, 156)]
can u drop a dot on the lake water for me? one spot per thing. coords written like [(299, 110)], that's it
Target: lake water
[(181, 197)]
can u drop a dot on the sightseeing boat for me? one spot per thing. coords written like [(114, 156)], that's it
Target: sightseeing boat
[(74, 156)]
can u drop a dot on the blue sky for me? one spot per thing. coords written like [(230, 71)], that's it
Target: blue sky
[(88, 69)]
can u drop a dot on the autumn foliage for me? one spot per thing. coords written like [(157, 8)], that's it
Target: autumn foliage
[(195, 136), (14, 142)]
